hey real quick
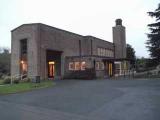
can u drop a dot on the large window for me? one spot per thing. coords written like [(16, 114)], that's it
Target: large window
[(23, 56), (77, 65), (24, 66), (23, 45), (105, 52)]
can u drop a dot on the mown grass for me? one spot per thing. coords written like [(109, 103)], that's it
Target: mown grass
[(22, 87)]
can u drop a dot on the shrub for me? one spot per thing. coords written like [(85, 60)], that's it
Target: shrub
[(26, 80), (16, 81), (7, 80)]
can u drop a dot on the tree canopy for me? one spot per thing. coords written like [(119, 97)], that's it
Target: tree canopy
[(131, 55), (153, 42), (4, 61)]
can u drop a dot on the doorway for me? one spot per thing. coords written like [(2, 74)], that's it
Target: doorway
[(53, 63), (109, 68), (51, 69)]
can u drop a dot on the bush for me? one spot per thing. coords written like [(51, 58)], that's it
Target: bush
[(26, 80), (7, 80), (16, 81)]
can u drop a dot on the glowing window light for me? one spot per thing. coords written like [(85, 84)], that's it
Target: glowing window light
[(22, 62), (51, 63), (83, 65)]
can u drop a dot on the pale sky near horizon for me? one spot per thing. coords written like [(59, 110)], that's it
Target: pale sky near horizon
[(85, 17)]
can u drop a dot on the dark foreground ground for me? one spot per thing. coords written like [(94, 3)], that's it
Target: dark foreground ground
[(86, 100)]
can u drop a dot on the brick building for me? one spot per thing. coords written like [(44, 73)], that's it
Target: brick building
[(49, 52)]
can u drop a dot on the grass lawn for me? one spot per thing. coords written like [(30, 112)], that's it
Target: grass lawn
[(21, 87)]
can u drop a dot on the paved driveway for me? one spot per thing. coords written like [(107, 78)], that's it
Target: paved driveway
[(86, 100)]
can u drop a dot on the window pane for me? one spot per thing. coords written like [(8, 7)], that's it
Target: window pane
[(23, 46), (99, 52), (71, 66), (83, 65), (77, 66)]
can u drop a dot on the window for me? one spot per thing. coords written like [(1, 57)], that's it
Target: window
[(83, 65), (23, 67), (77, 66), (71, 66), (23, 56), (109, 53), (99, 51), (99, 66), (117, 68), (105, 52), (23, 46)]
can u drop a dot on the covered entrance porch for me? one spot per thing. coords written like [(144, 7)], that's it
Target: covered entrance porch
[(116, 67), (53, 65)]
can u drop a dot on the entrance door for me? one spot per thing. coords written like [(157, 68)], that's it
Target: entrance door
[(51, 69), (110, 69), (109, 66)]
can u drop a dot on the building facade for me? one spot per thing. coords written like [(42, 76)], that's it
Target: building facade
[(45, 51)]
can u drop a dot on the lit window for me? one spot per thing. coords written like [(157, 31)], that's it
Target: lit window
[(71, 66), (51, 62), (83, 65), (77, 66), (23, 67)]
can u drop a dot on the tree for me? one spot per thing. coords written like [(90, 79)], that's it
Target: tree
[(153, 42), (6, 51), (4, 62), (131, 55)]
